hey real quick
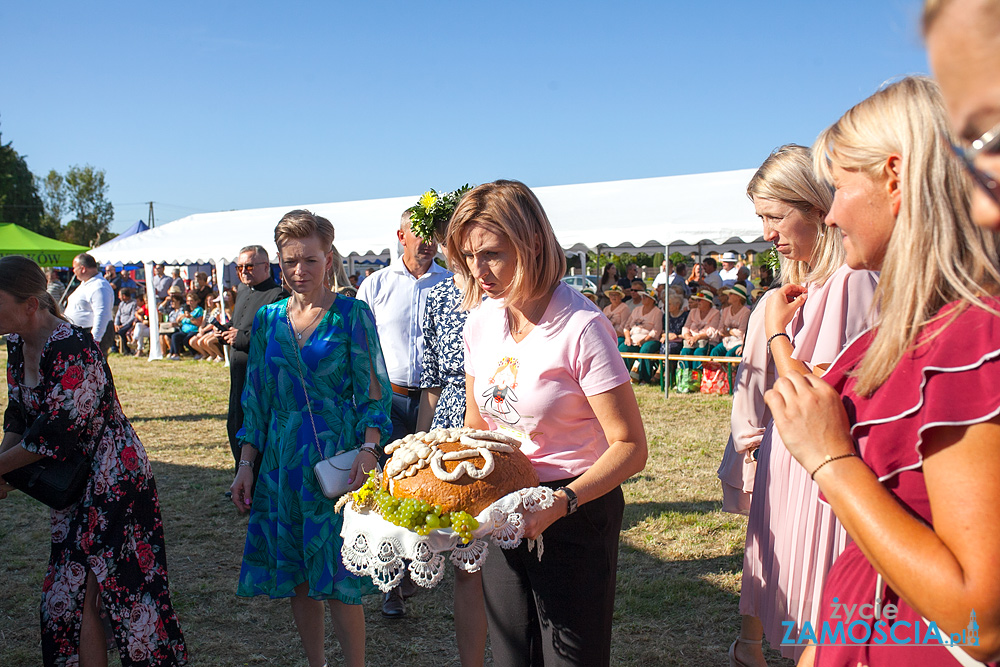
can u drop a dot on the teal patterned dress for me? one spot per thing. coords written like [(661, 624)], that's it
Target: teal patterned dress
[(294, 533)]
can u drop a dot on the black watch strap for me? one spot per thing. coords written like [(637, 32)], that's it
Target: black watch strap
[(571, 500)]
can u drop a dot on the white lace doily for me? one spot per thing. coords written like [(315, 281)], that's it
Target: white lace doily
[(379, 549)]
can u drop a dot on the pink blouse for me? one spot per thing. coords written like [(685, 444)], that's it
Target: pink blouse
[(618, 317), (709, 324), (738, 320), (647, 326)]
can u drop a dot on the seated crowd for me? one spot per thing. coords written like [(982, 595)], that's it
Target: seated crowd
[(704, 315)]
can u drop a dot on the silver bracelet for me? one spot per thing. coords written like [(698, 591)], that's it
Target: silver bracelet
[(370, 447), (246, 464)]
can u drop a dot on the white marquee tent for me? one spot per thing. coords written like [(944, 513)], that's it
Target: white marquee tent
[(684, 213), (642, 214)]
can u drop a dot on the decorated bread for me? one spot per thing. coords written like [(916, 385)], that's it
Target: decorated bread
[(457, 469)]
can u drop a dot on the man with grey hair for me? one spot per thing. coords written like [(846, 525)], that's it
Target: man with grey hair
[(91, 304), (257, 289), (397, 295)]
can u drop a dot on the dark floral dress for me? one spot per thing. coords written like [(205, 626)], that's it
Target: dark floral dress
[(114, 530), (444, 353), (675, 325)]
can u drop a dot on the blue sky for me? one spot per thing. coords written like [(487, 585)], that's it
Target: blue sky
[(205, 106)]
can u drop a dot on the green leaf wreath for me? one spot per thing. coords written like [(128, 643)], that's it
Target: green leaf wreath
[(772, 260), (433, 211)]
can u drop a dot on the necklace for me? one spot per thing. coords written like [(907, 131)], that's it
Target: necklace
[(298, 334), (524, 325)]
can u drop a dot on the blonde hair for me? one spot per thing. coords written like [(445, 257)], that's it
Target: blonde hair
[(787, 176), (509, 209), (935, 254), (300, 224)]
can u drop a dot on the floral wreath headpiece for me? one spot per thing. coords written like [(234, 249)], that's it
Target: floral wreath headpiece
[(433, 211)]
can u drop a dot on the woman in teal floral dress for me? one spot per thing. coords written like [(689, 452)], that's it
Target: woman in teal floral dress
[(107, 548), (323, 348)]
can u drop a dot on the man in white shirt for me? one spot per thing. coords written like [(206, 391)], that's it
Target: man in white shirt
[(90, 306), (397, 295), (661, 277), (712, 280), (729, 272)]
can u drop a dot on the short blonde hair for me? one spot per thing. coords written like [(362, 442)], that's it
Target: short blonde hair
[(300, 224), (509, 209), (787, 176), (935, 254)]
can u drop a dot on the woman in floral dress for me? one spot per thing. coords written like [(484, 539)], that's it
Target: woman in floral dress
[(108, 546)]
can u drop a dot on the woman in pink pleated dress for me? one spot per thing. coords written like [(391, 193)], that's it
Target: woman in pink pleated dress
[(903, 435), (792, 539)]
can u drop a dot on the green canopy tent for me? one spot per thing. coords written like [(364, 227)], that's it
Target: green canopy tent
[(15, 240)]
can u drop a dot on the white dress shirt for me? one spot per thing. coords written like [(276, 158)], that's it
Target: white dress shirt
[(90, 306), (729, 276), (397, 300)]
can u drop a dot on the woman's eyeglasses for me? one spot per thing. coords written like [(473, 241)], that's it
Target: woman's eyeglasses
[(987, 144)]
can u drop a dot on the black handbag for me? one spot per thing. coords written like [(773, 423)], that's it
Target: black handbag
[(58, 484)]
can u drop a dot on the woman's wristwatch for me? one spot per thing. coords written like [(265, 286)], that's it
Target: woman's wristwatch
[(571, 499), (370, 447)]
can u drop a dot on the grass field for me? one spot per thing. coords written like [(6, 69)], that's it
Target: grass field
[(678, 574)]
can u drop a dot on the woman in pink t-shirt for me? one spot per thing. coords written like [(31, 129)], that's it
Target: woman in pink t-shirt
[(542, 365)]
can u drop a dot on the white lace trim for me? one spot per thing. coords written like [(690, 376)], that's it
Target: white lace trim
[(379, 549)]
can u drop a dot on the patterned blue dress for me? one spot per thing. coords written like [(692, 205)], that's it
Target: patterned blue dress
[(293, 534), (444, 353)]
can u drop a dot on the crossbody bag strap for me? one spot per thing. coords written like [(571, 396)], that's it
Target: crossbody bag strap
[(298, 365)]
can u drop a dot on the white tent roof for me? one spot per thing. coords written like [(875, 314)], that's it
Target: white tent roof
[(679, 211)]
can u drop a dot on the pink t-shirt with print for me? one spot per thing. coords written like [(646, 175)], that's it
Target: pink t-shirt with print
[(537, 390)]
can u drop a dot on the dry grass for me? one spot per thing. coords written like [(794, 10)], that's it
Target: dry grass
[(679, 565)]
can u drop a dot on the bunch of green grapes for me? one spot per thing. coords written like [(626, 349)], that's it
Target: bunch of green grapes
[(417, 515)]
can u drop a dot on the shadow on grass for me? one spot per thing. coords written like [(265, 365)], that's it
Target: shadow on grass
[(667, 612), (202, 416), (677, 612), (635, 513)]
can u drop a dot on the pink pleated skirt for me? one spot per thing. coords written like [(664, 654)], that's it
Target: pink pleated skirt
[(792, 540)]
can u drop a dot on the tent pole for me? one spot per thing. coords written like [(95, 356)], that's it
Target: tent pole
[(664, 370), (220, 269), (154, 314)]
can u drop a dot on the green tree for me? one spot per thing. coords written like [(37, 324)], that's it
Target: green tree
[(19, 200), (85, 196), (53, 195)]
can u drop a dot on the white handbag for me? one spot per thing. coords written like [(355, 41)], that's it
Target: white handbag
[(333, 474)]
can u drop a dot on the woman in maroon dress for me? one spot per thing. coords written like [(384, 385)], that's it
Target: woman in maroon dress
[(107, 548), (902, 433)]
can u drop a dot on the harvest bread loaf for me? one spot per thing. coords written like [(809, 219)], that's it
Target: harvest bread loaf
[(458, 469)]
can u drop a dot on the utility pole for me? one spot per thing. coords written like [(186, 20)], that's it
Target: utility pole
[(152, 221)]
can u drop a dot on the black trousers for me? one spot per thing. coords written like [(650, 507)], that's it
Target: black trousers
[(558, 610), (234, 420)]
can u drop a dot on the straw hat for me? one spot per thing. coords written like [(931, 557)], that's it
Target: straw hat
[(175, 289), (738, 290), (615, 289), (641, 292), (704, 295), (730, 257)]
